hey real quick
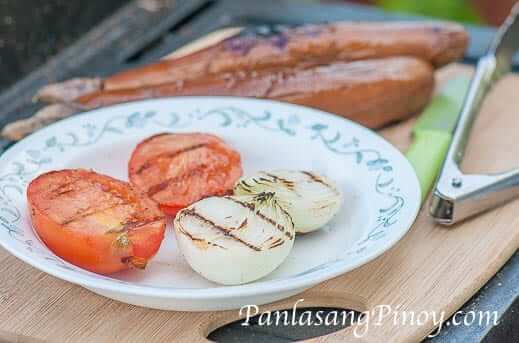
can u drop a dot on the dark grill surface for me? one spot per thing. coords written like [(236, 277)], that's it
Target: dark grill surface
[(33, 30), (135, 36)]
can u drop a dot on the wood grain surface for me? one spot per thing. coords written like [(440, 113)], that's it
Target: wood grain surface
[(431, 269)]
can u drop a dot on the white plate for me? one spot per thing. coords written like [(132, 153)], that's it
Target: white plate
[(382, 194)]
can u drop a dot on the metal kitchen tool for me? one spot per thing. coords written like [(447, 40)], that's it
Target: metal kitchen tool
[(458, 196)]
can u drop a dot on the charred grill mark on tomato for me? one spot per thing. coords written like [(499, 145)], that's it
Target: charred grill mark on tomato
[(131, 225), (199, 170), (225, 231), (90, 212), (116, 200), (62, 189), (170, 155), (263, 217)]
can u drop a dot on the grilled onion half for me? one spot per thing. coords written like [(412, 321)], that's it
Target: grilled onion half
[(235, 239), (310, 199)]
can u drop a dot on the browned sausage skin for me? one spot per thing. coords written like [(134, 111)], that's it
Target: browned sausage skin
[(310, 45), (371, 92), (436, 42)]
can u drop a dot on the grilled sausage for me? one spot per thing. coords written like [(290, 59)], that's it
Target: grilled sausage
[(305, 46), (371, 92), (436, 42)]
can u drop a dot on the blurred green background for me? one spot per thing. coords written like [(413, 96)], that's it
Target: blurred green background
[(459, 10), (488, 12)]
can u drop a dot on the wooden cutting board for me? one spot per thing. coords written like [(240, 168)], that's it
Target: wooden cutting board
[(431, 269)]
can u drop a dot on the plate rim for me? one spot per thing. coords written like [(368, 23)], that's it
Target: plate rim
[(255, 288)]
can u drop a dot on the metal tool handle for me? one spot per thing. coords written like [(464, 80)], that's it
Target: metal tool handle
[(458, 196)]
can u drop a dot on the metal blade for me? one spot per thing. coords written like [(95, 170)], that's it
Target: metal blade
[(506, 43)]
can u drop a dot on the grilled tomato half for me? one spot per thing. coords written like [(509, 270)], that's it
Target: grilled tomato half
[(178, 169), (94, 221)]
